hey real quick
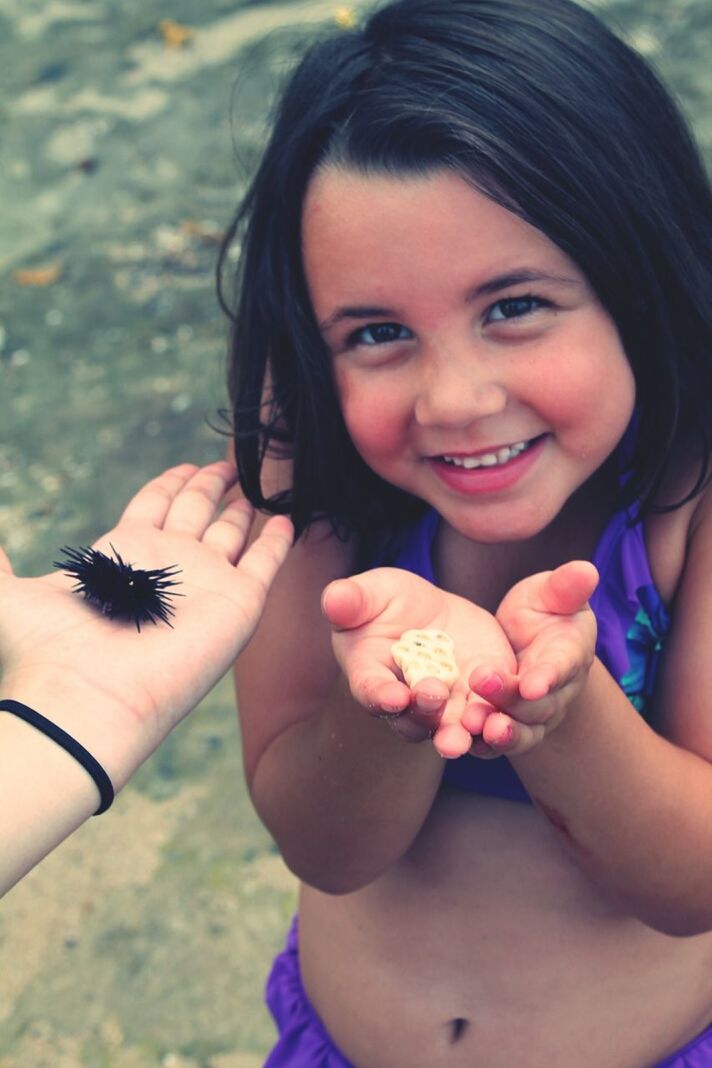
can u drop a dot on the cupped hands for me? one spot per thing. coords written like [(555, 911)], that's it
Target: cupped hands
[(519, 669)]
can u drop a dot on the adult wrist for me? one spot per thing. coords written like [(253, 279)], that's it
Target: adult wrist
[(106, 728), (70, 745)]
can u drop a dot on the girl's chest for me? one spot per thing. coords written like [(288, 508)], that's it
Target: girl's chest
[(485, 573)]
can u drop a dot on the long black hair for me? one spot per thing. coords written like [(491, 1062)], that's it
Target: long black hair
[(541, 107)]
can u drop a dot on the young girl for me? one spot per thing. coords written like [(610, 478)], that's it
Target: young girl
[(473, 351)]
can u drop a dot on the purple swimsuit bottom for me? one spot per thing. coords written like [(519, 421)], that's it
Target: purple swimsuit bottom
[(632, 624)]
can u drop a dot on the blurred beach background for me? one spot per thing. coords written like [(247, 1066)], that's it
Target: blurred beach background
[(127, 132)]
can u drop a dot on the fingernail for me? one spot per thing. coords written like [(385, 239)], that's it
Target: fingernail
[(505, 738), (490, 686), (428, 702)]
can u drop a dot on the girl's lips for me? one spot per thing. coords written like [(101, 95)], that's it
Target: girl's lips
[(493, 479)]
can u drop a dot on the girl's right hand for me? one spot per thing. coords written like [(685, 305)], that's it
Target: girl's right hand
[(370, 611)]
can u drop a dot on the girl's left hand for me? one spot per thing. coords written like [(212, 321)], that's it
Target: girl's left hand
[(552, 630)]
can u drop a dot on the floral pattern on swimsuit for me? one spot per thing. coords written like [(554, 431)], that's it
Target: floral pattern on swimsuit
[(644, 641)]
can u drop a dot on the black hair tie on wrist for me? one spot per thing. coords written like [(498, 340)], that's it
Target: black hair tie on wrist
[(72, 746)]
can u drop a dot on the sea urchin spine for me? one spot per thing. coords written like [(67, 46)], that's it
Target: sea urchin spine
[(119, 590)]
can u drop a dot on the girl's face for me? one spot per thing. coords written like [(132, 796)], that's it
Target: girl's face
[(475, 366)]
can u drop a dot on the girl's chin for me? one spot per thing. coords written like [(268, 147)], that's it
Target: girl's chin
[(492, 533), (494, 521)]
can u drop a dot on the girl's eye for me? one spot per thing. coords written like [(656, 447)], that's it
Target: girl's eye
[(513, 308), (379, 334)]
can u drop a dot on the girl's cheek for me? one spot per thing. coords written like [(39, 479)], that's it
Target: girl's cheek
[(590, 388), (373, 431), (375, 423)]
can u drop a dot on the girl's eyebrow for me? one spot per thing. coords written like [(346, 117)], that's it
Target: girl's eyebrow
[(492, 285), (515, 278), (358, 311)]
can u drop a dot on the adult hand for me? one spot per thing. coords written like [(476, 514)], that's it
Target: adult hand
[(84, 670)]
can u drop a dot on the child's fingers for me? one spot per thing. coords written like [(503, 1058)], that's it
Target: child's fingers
[(352, 602), (500, 731), (539, 681), (452, 739), (508, 737), (370, 677), (429, 695), (483, 751), (475, 714), (380, 692), (428, 702), (552, 664), (343, 604), (495, 683), (407, 728), (532, 712), (567, 589), (415, 715)]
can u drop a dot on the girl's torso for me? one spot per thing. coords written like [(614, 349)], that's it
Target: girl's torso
[(486, 945)]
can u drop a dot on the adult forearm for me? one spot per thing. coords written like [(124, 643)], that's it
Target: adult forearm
[(44, 796), (634, 809), (45, 792), (344, 796)]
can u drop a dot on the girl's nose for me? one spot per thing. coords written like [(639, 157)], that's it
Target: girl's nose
[(457, 392)]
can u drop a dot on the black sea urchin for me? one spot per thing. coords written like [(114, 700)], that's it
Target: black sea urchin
[(119, 590)]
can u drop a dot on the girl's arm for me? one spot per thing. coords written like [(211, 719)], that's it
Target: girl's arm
[(635, 806), (116, 691), (340, 792), (343, 794)]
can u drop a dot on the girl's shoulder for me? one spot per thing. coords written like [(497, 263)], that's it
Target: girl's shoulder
[(680, 551), (288, 665), (670, 535)]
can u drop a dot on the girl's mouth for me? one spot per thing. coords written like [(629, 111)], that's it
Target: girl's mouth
[(489, 459), (488, 472)]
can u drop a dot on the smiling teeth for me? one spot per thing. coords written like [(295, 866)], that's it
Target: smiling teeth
[(488, 459)]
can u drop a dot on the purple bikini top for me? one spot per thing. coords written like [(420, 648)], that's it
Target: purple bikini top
[(632, 624)]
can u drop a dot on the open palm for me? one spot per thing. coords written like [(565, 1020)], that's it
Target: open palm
[(50, 639), (370, 611), (552, 630)]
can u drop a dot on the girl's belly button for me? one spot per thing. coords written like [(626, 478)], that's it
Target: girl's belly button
[(456, 1029)]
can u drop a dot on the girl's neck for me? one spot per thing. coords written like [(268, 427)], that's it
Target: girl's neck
[(484, 572)]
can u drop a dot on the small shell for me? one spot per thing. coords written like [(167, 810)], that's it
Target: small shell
[(425, 654)]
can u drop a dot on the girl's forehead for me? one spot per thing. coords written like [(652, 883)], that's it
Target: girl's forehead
[(405, 225)]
